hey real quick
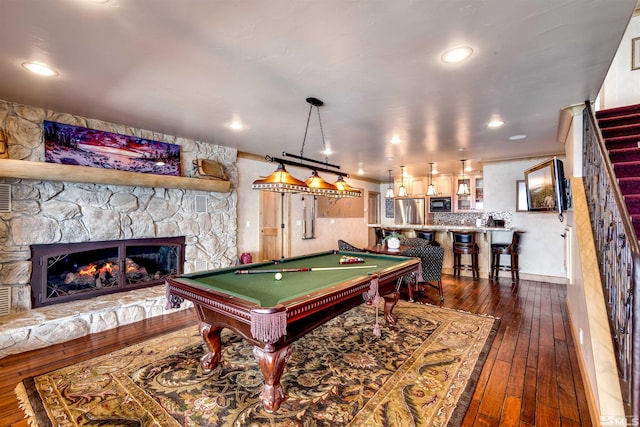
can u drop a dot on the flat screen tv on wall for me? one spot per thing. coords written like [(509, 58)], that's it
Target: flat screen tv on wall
[(546, 187)]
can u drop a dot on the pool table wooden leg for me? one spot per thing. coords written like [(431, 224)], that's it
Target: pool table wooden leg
[(390, 301), (272, 365), (211, 337)]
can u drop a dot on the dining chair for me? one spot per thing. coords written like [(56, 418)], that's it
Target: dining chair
[(414, 242), (431, 259), (344, 246)]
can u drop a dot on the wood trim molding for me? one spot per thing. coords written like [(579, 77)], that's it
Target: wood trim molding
[(605, 385), (24, 169)]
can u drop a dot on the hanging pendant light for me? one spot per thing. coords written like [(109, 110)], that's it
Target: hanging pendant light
[(280, 181), (402, 192), (318, 186), (431, 189), (345, 190), (389, 194), (463, 188)]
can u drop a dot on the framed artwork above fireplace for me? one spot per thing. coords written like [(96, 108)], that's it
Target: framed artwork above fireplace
[(75, 145)]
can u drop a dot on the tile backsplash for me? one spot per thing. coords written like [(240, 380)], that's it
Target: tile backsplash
[(468, 218)]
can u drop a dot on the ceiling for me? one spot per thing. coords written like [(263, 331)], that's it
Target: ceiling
[(191, 68)]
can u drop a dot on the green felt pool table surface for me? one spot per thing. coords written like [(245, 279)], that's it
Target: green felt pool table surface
[(265, 290)]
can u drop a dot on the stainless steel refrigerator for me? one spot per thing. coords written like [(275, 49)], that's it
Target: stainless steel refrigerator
[(410, 210)]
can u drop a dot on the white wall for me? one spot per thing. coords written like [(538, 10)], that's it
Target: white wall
[(543, 249), (622, 85), (328, 230)]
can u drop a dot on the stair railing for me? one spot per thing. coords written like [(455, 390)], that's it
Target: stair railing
[(618, 257)]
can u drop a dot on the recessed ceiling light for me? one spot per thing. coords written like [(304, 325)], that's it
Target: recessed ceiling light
[(457, 54), (395, 140), (517, 137), (495, 123), (40, 69), (236, 125)]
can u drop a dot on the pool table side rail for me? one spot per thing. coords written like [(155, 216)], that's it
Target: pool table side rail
[(301, 305)]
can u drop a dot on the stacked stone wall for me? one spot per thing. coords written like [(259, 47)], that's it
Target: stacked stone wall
[(63, 212)]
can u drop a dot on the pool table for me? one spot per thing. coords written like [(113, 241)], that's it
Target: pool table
[(271, 314)]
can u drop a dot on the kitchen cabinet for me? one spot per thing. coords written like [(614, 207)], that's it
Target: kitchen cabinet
[(442, 184), (418, 186), (413, 186), (475, 200)]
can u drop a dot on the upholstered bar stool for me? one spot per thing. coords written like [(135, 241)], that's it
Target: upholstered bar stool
[(429, 236), (465, 244), (512, 249)]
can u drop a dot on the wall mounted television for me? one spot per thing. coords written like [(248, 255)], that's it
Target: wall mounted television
[(547, 187)]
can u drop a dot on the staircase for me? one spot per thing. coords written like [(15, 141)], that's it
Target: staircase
[(620, 129)]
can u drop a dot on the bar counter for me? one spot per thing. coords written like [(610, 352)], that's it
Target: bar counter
[(444, 236)]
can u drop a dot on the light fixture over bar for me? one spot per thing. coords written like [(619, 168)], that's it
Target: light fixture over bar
[(463, 188), (389, 194), (431, 189), (402, 192)]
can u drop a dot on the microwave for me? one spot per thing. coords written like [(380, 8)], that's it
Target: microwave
[(440, 204)]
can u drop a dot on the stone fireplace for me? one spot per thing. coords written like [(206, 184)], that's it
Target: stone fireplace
[(64, 272), (59, 212)]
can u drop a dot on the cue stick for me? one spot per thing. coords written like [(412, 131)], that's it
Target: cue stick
[(294, 270)]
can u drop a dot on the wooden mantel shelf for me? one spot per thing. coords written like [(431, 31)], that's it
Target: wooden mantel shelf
[(24, 169)]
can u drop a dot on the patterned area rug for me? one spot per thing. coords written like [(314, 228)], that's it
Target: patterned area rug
[(421, 371)]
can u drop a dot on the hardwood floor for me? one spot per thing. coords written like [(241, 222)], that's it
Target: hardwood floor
[(531, 376)]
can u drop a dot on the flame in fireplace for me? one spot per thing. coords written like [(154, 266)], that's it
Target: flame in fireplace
[(91, 270)]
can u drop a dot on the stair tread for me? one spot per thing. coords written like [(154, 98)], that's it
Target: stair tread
[(625, 138), (627, 109), (619, 116), (622, 127), (627, 163), (624, 150), (612, 122)]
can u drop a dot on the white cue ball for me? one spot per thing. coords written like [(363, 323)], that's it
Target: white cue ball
[(278, 276)]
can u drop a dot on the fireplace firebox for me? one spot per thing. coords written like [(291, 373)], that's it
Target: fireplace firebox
[(64, 272)]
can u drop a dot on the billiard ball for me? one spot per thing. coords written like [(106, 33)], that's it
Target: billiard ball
[(278, 276)]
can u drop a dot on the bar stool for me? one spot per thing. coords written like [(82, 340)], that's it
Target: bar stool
[(465, 244), (379, 236), (512, 249), (429, 236)]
